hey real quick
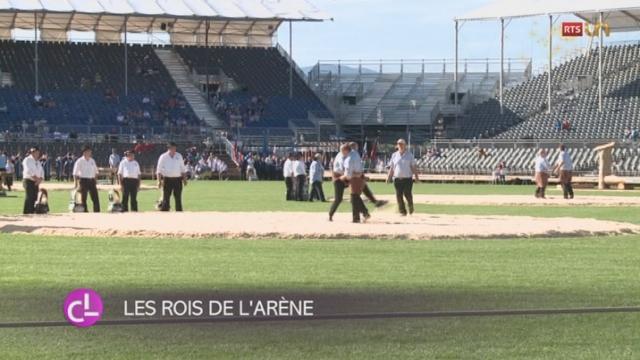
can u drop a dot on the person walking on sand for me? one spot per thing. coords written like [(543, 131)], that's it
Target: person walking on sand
[(339, 184), (402, 171), (353, 173)]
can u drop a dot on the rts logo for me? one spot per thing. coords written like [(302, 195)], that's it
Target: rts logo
[(83, 308), (572, 29)]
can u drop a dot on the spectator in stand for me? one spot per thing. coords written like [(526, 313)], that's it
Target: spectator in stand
[(558, 125), (566, 125)]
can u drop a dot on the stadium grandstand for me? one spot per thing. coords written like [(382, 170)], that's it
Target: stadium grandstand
[(215, 73), (220, 78)]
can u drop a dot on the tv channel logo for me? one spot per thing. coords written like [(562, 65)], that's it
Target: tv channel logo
[(572, 29), (83, 308)]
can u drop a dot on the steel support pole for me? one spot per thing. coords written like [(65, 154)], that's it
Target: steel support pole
[(550, 79), (206, 46), (126, 59), (36, 59), (455, 73), (600, 33), (290, 59), (501, 66)]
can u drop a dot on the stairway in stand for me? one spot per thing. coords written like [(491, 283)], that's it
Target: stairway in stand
[(180, 75)]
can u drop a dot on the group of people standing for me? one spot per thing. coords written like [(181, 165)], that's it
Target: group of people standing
[(294, 171), (563, 167)]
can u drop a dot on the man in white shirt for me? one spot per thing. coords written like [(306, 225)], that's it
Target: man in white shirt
[(565, 168), (171, 172), (338, 183), (114, 162), (316, 175), (129, 175), (85, 174), (354, 174), (8, 178), (402, 170), (287, 173), (542, 168), (300, 174), (32, 175)]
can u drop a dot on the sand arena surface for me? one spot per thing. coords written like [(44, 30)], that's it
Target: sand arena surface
[(526, 200), (383, 225)]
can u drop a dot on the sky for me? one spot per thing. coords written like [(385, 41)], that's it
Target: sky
[(422, 29)]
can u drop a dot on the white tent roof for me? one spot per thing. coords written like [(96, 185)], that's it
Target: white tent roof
[(620, 15), (235, 18)]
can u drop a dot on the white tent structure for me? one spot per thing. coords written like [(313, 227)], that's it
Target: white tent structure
[(618, 15), (188, 22)]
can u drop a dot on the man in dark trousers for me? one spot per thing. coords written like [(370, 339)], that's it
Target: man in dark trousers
[(402, 170), (33, 175), (287, 173), (353, 173), (366, 191), (316, 175), (85, 174), (129, 179), (172, 176), (338, 183), (300, 175)]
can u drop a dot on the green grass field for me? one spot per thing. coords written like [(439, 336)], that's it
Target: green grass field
[(346, 275)]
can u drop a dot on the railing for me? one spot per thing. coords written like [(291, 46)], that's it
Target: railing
[(110, 133), (360, 67), (533, 143)]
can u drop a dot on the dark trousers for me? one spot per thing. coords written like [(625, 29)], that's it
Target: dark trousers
[(130, 191), (172, 186), (89, 186), (358, 207), (404, 190), (300, 179), (316, 191), (567, 189), (338, 191), (288, 182), (31, 195), (367, 192)]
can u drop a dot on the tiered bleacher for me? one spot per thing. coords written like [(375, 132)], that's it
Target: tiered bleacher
[(261, 98), (520, 161), (81, 89), (574, 100)]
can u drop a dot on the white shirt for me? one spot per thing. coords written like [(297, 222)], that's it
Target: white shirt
[(565, 160), (85, 169), (171, 167), (114, 160), (299, 168), (129, 169), (287, 168), (338, 164), (32, 167), (353, 164), (316, 172), (542, 165), (402, 164)]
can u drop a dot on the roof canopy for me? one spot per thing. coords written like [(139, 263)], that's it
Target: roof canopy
[(620, 15), (184, 20)]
